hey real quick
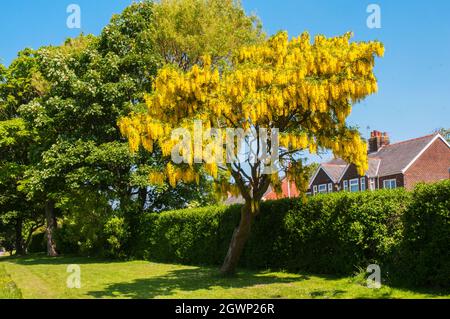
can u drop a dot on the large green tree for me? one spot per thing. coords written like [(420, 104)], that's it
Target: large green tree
[(19, 217), (85, 85)]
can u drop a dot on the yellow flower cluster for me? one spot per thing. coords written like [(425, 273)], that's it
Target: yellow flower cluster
[(225, 188), (292, 141), (304, 88), (176, 174), (157, 178)]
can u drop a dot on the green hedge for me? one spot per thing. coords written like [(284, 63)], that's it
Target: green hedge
[(192, 236), (327, 234), (335, 234), (423, 256), (406, 233)]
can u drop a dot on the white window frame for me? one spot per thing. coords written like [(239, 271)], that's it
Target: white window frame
[(330, 187), (362, 182), (345, 185), (314, 189), (387, 183), (352, 184), (372, 184), (323, 187)]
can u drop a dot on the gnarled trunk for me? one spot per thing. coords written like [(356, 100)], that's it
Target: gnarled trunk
[(51, 227), (240, 237)]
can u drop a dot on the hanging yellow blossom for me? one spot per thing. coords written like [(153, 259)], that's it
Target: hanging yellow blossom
[(303, 88)]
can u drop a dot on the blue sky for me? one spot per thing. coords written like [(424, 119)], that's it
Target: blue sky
[(414, 75)]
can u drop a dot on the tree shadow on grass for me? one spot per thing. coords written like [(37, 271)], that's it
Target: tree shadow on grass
[(326, 293), (42, 259), (188, 280)]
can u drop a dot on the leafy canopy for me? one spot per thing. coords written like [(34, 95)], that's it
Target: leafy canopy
[(184, 30), (303, 89)]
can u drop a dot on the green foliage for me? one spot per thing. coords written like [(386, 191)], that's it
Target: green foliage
[(185, 30), (117, 233), (18, 83), (18, 217), (423, 258), (445, 132), (11, 133), (327, 234), (335, 234), (59, 107), (190, 236), (338, 232)]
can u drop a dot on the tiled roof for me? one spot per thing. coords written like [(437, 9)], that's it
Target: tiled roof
[(396, 157), (287, 190), (334, 170), (337, 161), (389, 160), (374, 166)]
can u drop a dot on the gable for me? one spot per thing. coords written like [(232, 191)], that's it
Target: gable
[(437, 151), (350, 173), (390, 160), (321, 177), (396, 157)]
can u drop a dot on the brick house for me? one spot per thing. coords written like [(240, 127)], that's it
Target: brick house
[(403, 164), (288, 190)]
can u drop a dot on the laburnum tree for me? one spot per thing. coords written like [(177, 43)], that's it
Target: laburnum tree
[(304, 89)]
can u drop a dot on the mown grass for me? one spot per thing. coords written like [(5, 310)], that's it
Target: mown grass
[(42, 277), (8, 288)]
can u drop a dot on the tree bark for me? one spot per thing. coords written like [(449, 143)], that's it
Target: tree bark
[(240, 237), (20, 247), (143, 198), (51, 226)]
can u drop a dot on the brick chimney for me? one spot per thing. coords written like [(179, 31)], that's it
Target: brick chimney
[(377, 140)]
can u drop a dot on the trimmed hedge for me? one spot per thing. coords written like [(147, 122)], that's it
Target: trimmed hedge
[(334, 234), (423, 256), (327, 234), (191, 236), (406, 233)]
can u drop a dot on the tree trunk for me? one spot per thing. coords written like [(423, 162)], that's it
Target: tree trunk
[(20, 247), (143, 198), (239, 238), (51, 226)]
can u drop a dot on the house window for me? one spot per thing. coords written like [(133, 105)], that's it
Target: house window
[(345, 185), (390, 183), (372, 184), (363, 183), (330, 187), (354, 185), (314, 189), (323, 188)]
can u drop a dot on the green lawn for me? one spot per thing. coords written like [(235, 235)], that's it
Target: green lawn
[(8, 289), (42, 277)]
